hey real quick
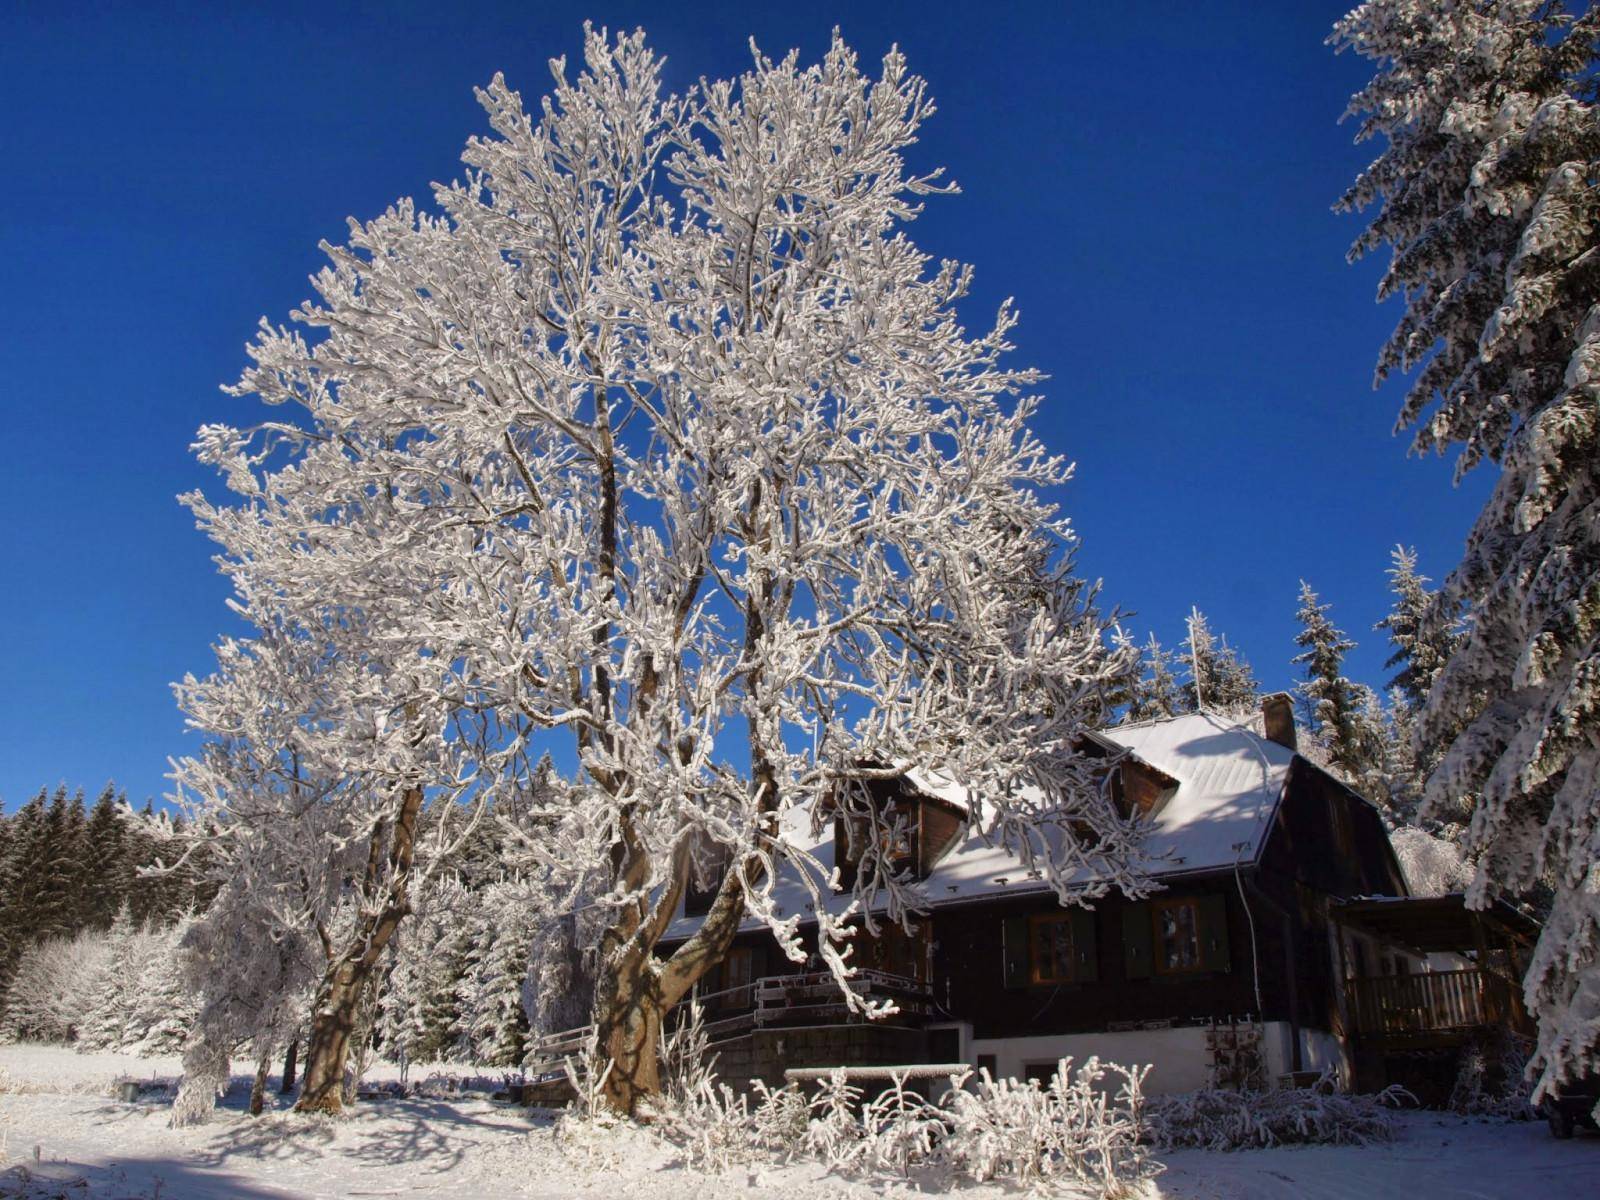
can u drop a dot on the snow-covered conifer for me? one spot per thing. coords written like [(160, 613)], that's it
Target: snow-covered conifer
[(492, 1015), (1155, 693), (1485, 192), (1220, 681), (1332, 698), (1424, 635), (105, 1007)]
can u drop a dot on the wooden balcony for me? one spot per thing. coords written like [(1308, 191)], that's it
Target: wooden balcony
[(809, 999), (1431, 1007)]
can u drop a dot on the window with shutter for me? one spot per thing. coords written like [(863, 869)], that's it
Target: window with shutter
[(1214, 934), (1177, 936), (1050, 940)]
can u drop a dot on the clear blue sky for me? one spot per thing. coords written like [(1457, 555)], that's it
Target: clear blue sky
[(1152, 182)]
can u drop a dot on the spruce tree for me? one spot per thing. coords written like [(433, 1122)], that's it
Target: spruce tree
[(107, 867), (1422, 631), (1487, 194), (1155, 694), (1328, 693), (1220, 680), (21, 905)]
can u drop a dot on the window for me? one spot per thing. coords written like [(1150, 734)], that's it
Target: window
[(1050, 936), (1050, 948), (1177, 936), (702, 890)]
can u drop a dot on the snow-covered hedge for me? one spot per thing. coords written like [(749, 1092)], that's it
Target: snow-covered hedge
[(1213, 1119)]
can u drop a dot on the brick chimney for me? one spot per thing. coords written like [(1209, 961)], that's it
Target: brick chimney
[(1277, 718)]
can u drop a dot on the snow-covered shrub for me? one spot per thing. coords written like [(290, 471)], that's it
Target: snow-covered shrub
[(1214, 1119), (1433, 866), (833, 1133), (205, 1077), (901, 1129), (46, 999), (686, 1064), (1077, 1129), (1492, 1078)]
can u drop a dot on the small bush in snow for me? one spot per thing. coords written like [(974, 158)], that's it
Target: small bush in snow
[(1212, 1119), (1077, 1131), (1492, 1079)]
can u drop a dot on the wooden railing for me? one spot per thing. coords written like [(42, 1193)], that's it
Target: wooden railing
[(774, 1000), (814, 998), (1432, 1002)]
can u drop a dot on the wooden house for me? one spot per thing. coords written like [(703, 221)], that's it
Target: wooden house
[(1280, 903)]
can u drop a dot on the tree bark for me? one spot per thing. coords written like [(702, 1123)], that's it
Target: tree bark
[(348, 975), (258, 1089), (628, 1011), (287, 1084)]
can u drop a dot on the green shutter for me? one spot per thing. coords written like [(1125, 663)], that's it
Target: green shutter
[(1137, 942), (1214, 933), (1086, 965), (1014, 951)]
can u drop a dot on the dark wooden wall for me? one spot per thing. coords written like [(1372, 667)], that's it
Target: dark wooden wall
[(970, 984), (1325, 842)]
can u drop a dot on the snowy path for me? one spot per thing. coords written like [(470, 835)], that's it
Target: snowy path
[(95, 1148)]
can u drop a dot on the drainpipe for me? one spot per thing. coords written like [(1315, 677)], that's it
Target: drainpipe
[(1296, 1057)]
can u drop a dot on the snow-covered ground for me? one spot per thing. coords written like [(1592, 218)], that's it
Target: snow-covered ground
[(58, 1105)]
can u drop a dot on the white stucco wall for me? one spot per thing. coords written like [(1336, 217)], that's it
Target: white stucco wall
[(1179, 1060)]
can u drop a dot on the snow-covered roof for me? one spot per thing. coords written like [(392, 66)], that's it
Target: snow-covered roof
[(1229, 779)]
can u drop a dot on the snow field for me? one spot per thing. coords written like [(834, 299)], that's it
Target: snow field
[(469, 1146)]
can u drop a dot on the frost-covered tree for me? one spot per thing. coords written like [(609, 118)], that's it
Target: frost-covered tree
[(492, 1019), (306, 801), (1424, 634), (1331, 698), (1486, 194), (1155, 692), (660, 434), (1220, 680)]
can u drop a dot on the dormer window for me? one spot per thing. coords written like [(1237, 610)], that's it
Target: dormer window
[(1135, 787), (908, 830)]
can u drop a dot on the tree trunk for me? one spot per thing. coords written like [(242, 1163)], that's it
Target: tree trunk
[(628, 1011), (352, 971), (258, 1089), (328, 1045), (287, 1085)]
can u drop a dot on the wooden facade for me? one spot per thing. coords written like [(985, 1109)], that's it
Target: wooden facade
[(1257, 940)]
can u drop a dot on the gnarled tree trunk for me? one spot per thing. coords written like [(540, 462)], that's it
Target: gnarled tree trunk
[(350, 972), (635, 990), (628, 1012)]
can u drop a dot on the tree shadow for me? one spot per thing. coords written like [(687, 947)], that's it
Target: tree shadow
[(152, 1178), (432, 1136)]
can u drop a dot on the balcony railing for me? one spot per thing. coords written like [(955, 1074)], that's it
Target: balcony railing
[(1432, 1002), (808, 999), (776, 1000)]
